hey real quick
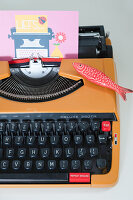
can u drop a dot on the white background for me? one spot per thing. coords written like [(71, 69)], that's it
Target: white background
[(117, 17)]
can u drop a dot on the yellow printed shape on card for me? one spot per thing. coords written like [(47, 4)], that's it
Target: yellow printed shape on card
[(31, 23)]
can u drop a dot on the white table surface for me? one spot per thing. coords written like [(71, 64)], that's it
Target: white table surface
[(116, 16)]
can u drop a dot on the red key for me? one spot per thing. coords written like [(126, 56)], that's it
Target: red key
[(79, 177), (106, 126)]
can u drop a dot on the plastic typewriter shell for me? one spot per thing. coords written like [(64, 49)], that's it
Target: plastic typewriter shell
[(4, 70), (90, 98)]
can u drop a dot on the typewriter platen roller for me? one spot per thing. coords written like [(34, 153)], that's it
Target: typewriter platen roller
[(55, 126)]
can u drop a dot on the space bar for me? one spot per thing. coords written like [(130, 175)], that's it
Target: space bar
[(34, 178)]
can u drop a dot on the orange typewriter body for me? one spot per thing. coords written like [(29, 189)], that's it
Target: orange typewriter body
[(89, 98)]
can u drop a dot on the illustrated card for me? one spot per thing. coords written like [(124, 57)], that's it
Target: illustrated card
[(38, 34)]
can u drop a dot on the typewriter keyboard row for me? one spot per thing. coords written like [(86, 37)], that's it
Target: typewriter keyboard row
[(54, 151)]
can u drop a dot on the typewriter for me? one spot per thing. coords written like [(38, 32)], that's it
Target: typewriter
[(56, 128)]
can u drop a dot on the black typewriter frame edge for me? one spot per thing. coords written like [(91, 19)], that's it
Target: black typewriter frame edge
[(59, 116)]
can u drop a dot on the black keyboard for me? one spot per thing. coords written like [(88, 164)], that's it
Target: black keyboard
[(49, 148)]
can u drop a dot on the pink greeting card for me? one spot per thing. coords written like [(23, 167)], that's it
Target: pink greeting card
[(38, 34)]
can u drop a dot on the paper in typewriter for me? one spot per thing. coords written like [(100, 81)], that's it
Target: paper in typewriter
[(38, 34)]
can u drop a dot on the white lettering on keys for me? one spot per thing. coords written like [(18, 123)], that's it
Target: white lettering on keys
[(51, 164), (42, 139), (4, 164), (7, 139), (10, 151), (57, 151), (33, 151), (28, 164), (69, 152), (21, 151), (16, 163)]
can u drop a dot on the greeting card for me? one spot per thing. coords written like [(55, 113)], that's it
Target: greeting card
[(38, 34)]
